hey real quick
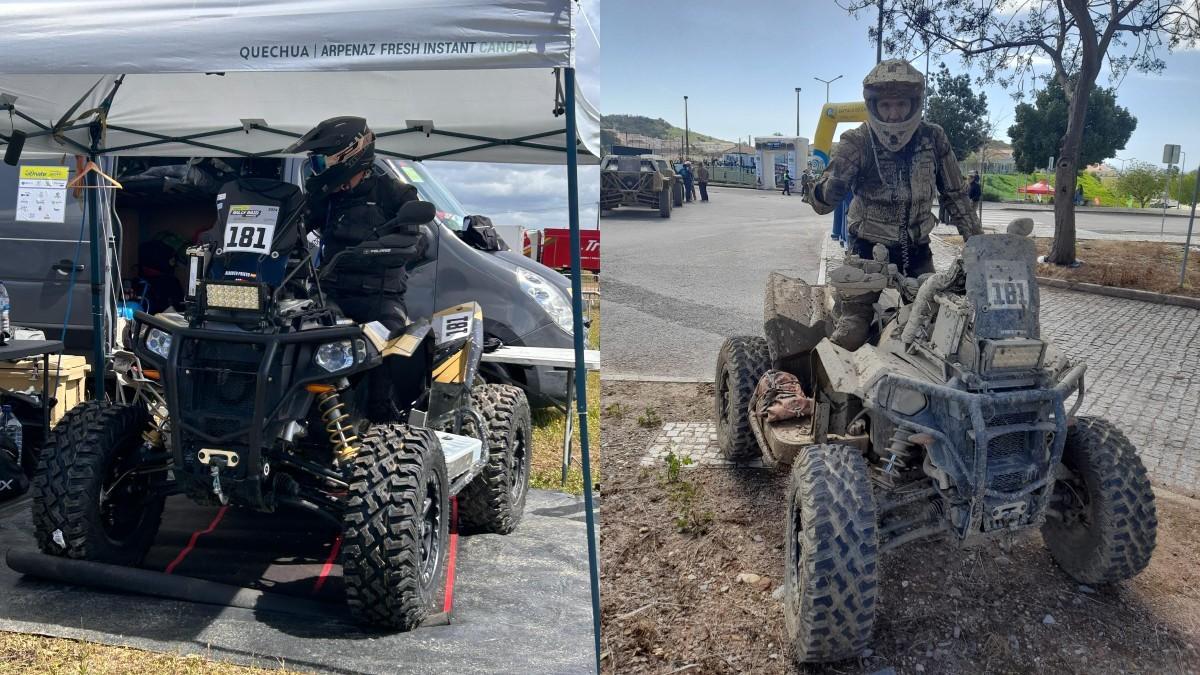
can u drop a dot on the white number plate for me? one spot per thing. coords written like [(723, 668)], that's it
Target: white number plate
[(250, 228), (1008, 294), (455, 326)]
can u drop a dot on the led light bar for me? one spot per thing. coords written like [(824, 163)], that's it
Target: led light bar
[(232, 296), (1014, 354)]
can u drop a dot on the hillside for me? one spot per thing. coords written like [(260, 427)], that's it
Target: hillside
[(653, 128)]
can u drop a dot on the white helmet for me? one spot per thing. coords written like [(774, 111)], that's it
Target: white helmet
[(894, 78)]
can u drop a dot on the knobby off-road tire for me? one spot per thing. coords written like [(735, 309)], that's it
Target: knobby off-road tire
[(664, 202), (495, 500), (677, 194), (830, 580), (1109, 526), (85, 503), (395, 529), (741, 363)]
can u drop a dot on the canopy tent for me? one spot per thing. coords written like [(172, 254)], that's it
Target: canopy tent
[(473, 80), (1038, 188)]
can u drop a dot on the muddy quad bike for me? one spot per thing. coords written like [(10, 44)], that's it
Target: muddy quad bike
[(951, 421), (258, 397)]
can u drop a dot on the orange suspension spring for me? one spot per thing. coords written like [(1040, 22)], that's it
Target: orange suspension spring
[(341, 434)]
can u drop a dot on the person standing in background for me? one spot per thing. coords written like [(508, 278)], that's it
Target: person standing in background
[(702, 176), (689, 178), (975, 191), (786, 178)]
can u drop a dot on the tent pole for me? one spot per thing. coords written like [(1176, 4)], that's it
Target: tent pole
[(580, 367), (98, 246)]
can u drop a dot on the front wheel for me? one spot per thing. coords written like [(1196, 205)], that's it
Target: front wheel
[(396, 526), (1102, 524), (92, 498), (741, 363), (495, 500), (830, 576), (664, 202)]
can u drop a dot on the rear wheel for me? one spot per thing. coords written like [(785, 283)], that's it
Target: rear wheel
[(1102, 526), (830, 576), (495, 500), (396, 526), (664, 202), (741, 362), (92, 500)]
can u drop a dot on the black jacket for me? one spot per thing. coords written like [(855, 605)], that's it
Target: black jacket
[(350, 218)]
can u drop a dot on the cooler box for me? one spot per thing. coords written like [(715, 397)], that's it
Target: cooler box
[(556, 249), (26, 376)]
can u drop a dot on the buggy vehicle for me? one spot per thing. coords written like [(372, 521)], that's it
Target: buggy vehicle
[(950, 421), (639, 180), (257, 396)]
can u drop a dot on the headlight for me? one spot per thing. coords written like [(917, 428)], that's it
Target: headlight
[(1019, 353), (335, 356), (547, 295), (907, 401), (231, 296), (159, 342)]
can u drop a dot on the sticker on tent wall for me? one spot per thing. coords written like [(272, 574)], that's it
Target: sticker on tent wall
[(42, 194)]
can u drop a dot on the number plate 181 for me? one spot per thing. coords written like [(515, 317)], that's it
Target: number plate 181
[(1007, 288)]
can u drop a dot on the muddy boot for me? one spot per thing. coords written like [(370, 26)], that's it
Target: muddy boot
[(855, 293)]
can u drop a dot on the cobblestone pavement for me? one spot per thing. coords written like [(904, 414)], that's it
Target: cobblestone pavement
[(1143, 369), (694, 440)]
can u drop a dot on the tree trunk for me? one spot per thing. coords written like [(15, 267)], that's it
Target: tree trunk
[(1062, 249)]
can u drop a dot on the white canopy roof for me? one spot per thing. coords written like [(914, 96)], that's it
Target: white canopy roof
[(473, 73)]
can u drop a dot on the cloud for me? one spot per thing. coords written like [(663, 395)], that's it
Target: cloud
[(533, 196)]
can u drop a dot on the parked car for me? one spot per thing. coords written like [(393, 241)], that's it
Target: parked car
[(167, 202)]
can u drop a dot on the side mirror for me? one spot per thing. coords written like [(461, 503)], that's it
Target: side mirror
[(416, 213)]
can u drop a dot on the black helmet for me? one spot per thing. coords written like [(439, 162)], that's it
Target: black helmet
[(337, 148)]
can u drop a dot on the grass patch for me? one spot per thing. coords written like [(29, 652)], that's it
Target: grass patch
[(1141, 265), (1003, 188), (549, 424), (37, 655)]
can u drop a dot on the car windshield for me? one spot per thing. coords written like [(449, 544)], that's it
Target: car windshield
[(450, 212)]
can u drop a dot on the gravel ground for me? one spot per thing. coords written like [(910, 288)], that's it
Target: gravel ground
[(678, 602)]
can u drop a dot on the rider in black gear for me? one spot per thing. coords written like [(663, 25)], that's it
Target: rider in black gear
[(349, 203)]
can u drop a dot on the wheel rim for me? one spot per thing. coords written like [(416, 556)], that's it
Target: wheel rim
[(431, 528), (796, 539), (1074, 503), (122, 498), (725, 411), (519, 469)]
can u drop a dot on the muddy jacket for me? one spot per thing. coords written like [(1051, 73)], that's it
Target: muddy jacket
[(895, 188), (352, 217)]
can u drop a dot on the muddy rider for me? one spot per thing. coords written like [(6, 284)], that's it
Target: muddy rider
[(895, 164)]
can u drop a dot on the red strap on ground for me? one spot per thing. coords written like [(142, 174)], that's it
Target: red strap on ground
[(328, 567), (196, 536), (448, 605)]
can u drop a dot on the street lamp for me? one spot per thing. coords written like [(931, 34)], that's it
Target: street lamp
[(687, 143), (797, 111), (827, 83)]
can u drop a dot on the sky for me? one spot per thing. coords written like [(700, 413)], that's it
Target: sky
[(740, 62), (533, 196)]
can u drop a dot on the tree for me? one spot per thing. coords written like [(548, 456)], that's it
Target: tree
[(1183, 188), (1006, 39), (1141, 181), (958, 110), (1038, 128)]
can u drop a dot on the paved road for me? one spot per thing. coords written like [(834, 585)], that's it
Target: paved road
[(674, 288), (1144, 359), (1095, 225)]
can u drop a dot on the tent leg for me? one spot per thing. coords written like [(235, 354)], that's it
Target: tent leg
[(580, 365), (98, 247)]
